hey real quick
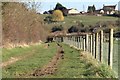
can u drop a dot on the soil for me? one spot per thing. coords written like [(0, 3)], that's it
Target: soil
[(51, 67)]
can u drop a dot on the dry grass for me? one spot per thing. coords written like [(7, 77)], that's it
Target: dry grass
[(21, 25)]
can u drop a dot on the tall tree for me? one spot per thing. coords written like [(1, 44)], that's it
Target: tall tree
[(59, 7), (62, 8), (93, 8), (34, 6)]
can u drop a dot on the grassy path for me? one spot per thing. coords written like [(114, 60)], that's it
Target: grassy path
[(72, 66), (41, 56)]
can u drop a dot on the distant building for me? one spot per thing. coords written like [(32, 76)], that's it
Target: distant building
[(119, 6), (46, 12), (82, 12), (110, 9), (99, 11), (73, 11), (91, 9)]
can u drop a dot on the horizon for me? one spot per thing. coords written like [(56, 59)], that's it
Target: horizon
[(80, 6)]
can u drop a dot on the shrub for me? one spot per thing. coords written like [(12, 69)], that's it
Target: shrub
[(57, 16), (48, 19), (73, 29), (57, 28)]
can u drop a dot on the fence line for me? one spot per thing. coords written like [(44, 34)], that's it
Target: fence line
[(92, 43)]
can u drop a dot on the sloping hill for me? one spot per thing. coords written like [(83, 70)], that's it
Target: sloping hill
[(20, 25)]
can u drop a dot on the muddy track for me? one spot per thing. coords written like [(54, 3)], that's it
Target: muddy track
[(51, 67)]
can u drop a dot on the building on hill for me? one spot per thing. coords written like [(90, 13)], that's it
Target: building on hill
[(73, 11), (91, 9), (99, 12), (119, 6), (109, 9)]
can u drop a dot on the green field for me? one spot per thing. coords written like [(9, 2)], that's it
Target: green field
[(40, 57), (72, 66), (85, 19)]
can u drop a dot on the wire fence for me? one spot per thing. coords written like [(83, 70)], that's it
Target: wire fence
[(104, 49)]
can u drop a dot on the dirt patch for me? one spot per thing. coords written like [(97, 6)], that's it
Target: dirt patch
[(51, 67)]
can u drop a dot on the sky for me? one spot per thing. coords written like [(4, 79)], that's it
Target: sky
[(80, 5)]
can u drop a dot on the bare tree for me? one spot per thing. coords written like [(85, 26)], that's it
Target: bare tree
[(33, 5)]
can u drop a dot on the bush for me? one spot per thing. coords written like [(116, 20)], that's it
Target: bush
[(48, 19), (57, 16), (73, 29), (57, 28)]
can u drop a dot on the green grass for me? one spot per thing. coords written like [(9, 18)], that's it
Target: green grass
[(86, 20), (41, 57), (7, 53), (72, 66), (115, 54)]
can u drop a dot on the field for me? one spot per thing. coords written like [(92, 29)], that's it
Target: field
[(47, 60), (72, 66), (85, 19), (40, 56)]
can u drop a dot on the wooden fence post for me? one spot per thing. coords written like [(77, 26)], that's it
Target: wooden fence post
[(74, 41), (110, 54), (91, 44), (81, 42), (96, 45), (78, 42), (86, 42), (101, 46), (93, 41)]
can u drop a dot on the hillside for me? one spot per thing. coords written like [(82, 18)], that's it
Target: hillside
[(20, 25), (76, 19)]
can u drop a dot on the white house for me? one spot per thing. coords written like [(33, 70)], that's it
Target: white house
[(73, 11), (102, 11), (109, 9)]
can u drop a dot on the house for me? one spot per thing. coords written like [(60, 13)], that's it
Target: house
[(91, 9), (119, 6), (73, 11), (99, 11), (82, 12), (109, 9)]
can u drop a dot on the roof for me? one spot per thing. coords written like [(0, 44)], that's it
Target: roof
[(109, 7), (73, 11)]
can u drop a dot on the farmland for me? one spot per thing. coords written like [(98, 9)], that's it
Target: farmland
[(72, 65), (85, 19), (27, 54), (40, 56)]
